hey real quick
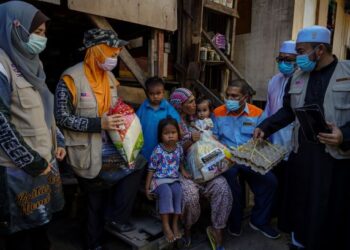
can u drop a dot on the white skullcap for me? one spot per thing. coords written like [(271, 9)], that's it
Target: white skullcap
[(288, 47), (314, 34)]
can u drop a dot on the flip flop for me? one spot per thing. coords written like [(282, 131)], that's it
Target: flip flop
[(186, 242), (211, 238)]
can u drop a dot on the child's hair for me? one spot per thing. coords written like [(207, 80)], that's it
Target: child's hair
[(205, 99), (164, 122), (152, 81)]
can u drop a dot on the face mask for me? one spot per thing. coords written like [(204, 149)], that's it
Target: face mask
[(109, 64), (304, 62), (36, 44), (232, 105), (286, 68)]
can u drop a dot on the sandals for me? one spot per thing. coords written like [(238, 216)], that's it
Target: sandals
[(211, 238)]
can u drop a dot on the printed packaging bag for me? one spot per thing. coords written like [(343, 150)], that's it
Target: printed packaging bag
[(128, 139), (208, 158)]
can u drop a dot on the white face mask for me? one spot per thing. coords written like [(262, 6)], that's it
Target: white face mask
[(36, 44), (109, 64)]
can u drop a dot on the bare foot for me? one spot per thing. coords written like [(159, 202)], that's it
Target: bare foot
[(177, 232), (169, 235)]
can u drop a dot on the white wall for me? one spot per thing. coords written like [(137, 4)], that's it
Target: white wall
[(272, 23)]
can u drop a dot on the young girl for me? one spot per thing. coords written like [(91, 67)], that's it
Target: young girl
[(163, 176), (204, 108)]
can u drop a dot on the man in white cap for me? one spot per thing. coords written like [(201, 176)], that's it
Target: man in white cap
[(274, 101), (318, 174)]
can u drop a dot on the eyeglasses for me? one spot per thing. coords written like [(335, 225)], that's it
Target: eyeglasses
[(284, 59)]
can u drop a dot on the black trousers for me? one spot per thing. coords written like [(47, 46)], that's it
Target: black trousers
[(31, 239), (114, 204)]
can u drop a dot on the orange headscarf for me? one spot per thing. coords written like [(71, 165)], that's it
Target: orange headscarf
[(98, 78)]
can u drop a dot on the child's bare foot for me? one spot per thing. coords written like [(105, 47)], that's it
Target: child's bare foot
[(169, 235), (177, 232)]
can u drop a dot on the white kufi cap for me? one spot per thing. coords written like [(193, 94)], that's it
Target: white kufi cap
[(288, 47), (314, 34)]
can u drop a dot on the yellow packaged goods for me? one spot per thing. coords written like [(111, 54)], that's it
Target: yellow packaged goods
[(128, 139), (208, 158)]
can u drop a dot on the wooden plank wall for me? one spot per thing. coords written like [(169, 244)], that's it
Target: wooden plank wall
[(160, 14)]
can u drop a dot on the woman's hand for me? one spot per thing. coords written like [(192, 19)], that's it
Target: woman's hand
[(110, 122), (47, 169), (60, 153), (196, 135), (186, 174)]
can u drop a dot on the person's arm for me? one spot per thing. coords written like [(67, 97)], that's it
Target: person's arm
[(345, 145), (64, 113), (60, 151), (11, 141), (154, 161), (148, 184), (280, 119), (267, 105)]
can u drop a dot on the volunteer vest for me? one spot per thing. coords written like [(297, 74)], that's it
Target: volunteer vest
[(27, 115), (336, 102), (84, 150)]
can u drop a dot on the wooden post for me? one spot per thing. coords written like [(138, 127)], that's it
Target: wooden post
[(233, 36), (124, 55), (227, 61), (197, 7), (159, 35)]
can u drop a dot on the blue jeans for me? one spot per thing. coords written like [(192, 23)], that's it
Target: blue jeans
[(263, 187)]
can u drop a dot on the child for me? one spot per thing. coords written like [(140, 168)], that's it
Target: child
[(204, 109), (163, 176), (154, 109)]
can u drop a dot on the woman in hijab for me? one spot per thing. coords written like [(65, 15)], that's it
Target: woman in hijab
[(84, 96), (30, 185), (216, 191)]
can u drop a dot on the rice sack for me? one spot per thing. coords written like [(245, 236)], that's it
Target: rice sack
[(128, 139)]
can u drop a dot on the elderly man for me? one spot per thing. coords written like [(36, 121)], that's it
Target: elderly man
[(318, 188), (276, 89), (234, 125)]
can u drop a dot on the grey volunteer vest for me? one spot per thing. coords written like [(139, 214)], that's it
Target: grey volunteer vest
[(336, 102), (84, 150), (28, 116)]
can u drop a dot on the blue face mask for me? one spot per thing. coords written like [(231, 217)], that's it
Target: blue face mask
[(286, 68), (232, 105), (304, 62), (36, 44)]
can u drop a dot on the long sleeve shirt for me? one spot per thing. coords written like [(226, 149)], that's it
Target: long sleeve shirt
[(316, 89), (28, 159), (276, 92)]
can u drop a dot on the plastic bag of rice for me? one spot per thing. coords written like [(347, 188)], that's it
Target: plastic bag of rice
[(128, 139)]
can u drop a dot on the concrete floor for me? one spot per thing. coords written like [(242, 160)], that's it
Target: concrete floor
[(67, 234)]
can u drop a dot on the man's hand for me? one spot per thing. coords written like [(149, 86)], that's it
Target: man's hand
[(60, 153), (258, 134), (109, 122), (335, 138)]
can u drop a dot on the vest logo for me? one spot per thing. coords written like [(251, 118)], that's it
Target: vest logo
[(85, 95), (299, 83), (17, 72)]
